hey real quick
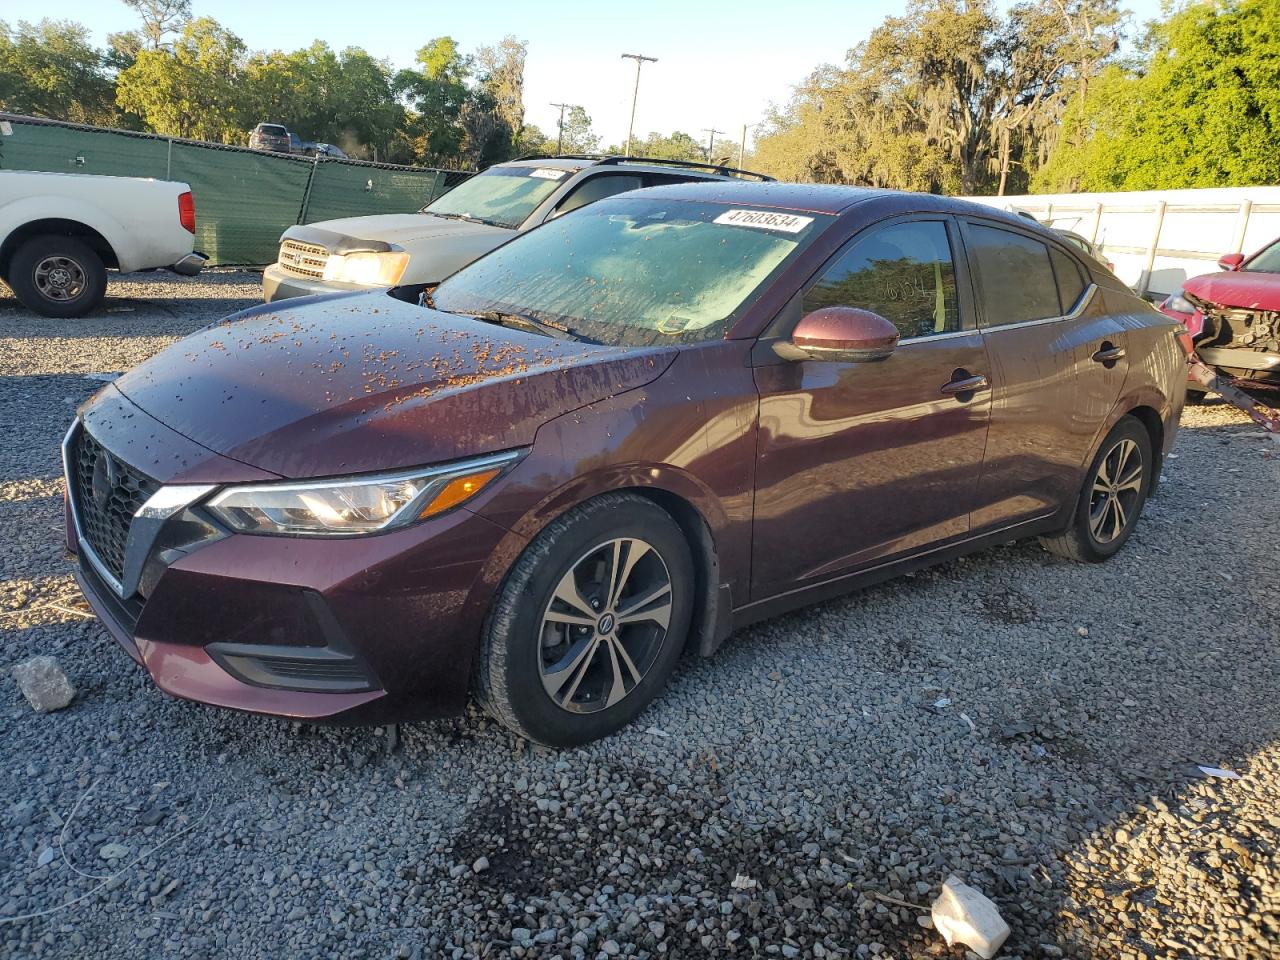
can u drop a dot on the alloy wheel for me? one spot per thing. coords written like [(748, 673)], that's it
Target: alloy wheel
[(60, 278), (604, 625), (1116, 488)]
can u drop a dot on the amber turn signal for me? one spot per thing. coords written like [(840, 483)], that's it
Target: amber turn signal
[(457, 490)]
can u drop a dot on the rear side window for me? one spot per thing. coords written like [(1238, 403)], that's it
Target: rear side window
[(597, 188), (904, 272), (1015, 274), (1070, 283)]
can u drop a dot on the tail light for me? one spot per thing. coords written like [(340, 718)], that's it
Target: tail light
[(187, 211)]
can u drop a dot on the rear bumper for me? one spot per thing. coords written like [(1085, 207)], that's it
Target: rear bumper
[(190, 265), (278, 285)]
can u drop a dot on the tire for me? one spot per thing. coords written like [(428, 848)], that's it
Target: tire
[(1098, 530), (550, 680), (58, 276)]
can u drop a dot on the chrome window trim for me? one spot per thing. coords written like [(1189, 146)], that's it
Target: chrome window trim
[(945, 335), (1077, 311)]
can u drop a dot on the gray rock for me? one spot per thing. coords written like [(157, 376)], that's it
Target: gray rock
[(43, 683)]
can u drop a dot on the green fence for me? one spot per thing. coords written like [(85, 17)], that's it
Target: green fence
[(244, 198)]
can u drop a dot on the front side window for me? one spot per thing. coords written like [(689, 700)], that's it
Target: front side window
[(904, 272), (635, 271), (1015, 274), (501, 196), (1268, 261)]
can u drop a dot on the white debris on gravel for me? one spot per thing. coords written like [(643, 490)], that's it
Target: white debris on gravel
[(963, 915), (44, 685), (804, 755)]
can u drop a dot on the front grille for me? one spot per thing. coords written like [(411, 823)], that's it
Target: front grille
[(108, 492), (1250, 329), (303, 259)]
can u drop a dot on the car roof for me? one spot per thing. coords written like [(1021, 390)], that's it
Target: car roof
[(579, 162), (830, 199)]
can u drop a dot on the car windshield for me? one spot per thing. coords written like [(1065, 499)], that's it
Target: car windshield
[(635, 271), (1268, 261), (271, 131), (501, 196)]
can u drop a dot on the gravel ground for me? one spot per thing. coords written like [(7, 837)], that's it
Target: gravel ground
[(1031, 725)]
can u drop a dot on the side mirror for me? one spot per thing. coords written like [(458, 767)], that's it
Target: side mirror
[(1231, 261), (841, 334)]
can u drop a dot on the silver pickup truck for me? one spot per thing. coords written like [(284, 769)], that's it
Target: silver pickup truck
[(478, 215)]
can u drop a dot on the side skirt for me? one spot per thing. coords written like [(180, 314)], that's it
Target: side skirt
[(847, 583)]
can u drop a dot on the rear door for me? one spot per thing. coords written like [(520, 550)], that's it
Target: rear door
[(1057, 362), (860, 462)]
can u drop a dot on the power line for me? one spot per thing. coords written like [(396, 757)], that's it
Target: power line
[(711, 144)]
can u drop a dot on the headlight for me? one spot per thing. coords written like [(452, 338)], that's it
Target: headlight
[(357, 504), (1179, 304), (367, 269)]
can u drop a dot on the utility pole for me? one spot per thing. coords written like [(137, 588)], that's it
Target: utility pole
[(742, 147), (711, 143), (560, 135), (640, 60)]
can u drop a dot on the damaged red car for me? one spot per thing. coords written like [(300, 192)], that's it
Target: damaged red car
[(1234, 316), (618, 437)]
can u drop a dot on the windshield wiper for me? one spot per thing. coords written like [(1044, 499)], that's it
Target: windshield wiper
[(525, 322)]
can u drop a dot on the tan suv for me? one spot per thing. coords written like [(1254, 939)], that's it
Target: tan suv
[(478, 215)]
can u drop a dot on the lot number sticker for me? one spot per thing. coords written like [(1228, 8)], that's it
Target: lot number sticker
[(765, 220), (545, 173)]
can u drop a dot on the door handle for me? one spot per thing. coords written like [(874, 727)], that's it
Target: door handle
[(1108, 354), (965, 385)]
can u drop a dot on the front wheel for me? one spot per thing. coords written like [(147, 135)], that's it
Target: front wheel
[(589, 623), (1115, 489)]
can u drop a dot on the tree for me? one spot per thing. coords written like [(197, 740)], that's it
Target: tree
[(501, 76), (673, 146), (197, 89), (345, 98), (436, 91), (159, 19), (577, 135), (948, 97), (1204, 109), (50, 69)]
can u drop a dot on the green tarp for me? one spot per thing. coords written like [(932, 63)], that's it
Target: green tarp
[(244, 198)]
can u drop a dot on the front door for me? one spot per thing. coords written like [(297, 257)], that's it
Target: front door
[(860, 462)]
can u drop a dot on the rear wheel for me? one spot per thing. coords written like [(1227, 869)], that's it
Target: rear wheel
[(1115, 489), (58, 276), (589, 623)]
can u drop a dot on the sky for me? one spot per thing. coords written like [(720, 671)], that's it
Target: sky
[(719, 64)]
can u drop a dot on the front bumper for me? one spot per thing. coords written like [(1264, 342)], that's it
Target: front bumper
[(279, 285), (354, 630), (1244, 364)]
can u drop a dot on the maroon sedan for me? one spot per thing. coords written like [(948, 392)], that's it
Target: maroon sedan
[(630, 431)]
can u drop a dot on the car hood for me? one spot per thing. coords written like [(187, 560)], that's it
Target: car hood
[(364, 382), (1237, 288), (405, 228)]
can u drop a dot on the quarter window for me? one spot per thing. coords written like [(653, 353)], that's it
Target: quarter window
[(1070, 284), (1016, 276), (904, 272)]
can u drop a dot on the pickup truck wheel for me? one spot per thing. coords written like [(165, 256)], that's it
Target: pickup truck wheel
[(58, 276)]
